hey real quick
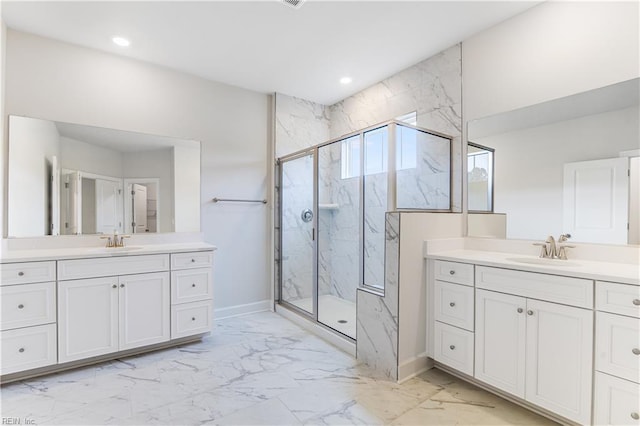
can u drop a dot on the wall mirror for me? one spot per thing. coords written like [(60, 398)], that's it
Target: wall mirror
[(72, 179), (569, 165)]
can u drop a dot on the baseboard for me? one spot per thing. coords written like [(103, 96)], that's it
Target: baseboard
[(337, 341), (249, 308), (413, 366)]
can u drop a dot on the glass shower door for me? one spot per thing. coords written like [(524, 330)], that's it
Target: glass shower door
[(297, 233)]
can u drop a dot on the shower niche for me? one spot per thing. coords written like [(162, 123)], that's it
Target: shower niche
[(333, 199)]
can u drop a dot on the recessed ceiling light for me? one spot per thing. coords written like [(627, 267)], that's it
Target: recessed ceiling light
[(345, 80), (121, 41)]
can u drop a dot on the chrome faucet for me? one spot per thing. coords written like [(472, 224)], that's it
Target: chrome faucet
[(114, 240), (552, 250)]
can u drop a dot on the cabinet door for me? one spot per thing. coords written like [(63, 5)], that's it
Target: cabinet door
[(559, 359), (500, 341), (87, 318), (144, 309)]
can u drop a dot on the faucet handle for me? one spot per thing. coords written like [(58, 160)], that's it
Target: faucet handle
[(544, 251), (122, 237), (562, 252), (109, 240)]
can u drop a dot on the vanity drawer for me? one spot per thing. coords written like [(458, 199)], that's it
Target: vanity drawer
[(27, 305), (617, 298), (453, 347), (553, 288), (188, 319), (112, 266), (618, 346), (27, 272), (615, 401), (454, 304), (191, 285), (28, 348), (454, 272), (197, 259)]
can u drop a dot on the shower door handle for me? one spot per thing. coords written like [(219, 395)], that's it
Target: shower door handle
[(313, 234), (306, 215)]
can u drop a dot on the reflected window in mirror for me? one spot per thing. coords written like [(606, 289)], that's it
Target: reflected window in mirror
[(480, 178)]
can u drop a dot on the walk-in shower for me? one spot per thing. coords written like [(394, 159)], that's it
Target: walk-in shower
[(331, 220)]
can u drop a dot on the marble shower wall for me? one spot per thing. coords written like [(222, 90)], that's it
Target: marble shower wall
[(377, 317), (300, 124), (432, 88)]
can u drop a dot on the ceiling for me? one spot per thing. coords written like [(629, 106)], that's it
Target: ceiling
[(268, 46)]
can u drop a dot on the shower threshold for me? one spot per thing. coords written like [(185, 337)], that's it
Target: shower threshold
[(333, 312)]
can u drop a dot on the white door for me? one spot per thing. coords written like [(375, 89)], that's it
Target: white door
[(500, 341), (139, 206), (55, 196), (73, 203), (634, 200), (596, 199), (108, 211), (560, 359), (144, 309), (87, 318)]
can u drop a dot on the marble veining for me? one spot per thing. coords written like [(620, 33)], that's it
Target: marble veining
[(258, 369), (300, 124)]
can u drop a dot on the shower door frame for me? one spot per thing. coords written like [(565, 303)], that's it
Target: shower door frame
[(314, 233)]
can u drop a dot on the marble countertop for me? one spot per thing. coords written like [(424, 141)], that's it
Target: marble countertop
[(31, 255), (604, 271)]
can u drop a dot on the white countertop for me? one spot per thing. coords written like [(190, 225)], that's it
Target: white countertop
[(604, 271), (31, 255)]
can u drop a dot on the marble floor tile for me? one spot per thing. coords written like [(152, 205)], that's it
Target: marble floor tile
[(256, 369)]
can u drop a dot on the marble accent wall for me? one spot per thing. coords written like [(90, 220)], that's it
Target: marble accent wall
[(432, 88), (299, 124), (377, 317)]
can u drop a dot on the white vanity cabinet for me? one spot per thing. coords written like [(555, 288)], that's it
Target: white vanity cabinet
[(617, 352), (534, 349), (27, 316), (101, 315), (191, 293)]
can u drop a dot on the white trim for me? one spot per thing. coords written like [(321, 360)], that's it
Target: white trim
[(630, 153), (337, 341), (414, 366), (249, 308)]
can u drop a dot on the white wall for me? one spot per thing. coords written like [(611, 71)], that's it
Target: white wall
[(529, 164), (186, 178), (552, 50), (155, 164), (3, 150), (67, 83), (34, 143), (86, 157)]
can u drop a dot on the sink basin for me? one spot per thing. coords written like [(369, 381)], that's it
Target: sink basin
[(114, 250), (542, 261)]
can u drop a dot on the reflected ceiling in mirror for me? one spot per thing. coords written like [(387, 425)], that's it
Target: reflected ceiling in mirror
[(550, 173), (69, 179)]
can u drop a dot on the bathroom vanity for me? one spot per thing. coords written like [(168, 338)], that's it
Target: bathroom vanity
[(561, 337), (67, 307)]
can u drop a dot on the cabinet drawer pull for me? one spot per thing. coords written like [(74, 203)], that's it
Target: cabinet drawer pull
[(21, 274), (121, 285), (193, 260), (452, 272), (520, 310), (529, 312), (636, 302), (193, 285), (452, 347), (114, 286), (21, 350), (452, 304), (636, 351), (193, 318), (635, 416), (20, 306)]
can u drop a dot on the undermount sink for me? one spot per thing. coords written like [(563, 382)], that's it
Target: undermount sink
[(115, 249), (542, 261)]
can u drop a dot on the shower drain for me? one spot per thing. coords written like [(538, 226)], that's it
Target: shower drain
[(343, 321)]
